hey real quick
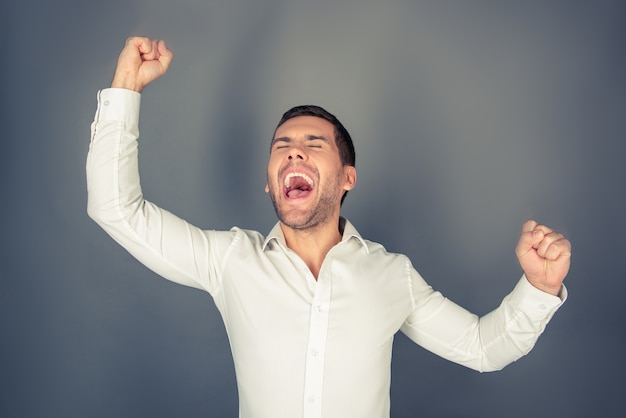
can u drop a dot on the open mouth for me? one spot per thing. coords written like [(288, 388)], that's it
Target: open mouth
[(297, 185)]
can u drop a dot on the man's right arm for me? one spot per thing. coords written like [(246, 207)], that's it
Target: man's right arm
[(166, 244)]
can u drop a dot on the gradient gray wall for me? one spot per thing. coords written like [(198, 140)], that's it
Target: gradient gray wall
[(469, 117)]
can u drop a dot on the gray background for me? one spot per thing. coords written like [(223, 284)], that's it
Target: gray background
[(469, 117)]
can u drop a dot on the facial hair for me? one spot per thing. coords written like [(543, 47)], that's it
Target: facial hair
[(320, 214)]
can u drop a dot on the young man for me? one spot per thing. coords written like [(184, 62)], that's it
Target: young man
[(311, 309)]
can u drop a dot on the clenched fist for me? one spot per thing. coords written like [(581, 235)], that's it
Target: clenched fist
[(141, 61), (544, 256)]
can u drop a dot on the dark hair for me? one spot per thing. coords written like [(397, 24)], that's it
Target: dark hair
[(342, 137)]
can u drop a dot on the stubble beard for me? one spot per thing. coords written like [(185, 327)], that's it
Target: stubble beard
[(313, 219)]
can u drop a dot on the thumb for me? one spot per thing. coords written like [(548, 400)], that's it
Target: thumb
[(165, 55)]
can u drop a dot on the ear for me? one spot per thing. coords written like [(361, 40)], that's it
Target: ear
[(349, 173)]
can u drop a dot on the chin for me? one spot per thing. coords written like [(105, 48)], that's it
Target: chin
[(303, 214), (294, 220)]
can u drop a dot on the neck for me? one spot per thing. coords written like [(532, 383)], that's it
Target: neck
[(313, 244)]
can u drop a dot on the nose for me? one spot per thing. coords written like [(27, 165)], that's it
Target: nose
[(296, 152)]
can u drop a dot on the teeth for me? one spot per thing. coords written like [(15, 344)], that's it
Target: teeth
[(304, 176)]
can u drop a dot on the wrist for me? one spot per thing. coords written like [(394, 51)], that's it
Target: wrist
[(125, 82), (550, 289)]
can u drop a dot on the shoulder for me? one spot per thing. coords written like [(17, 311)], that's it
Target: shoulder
[(236, 236), (373, 250), (375, 257)]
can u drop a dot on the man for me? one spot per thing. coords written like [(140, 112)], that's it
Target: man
[(311, 309)]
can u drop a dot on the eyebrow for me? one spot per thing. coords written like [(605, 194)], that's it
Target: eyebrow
[(308, 137), (314, 137)]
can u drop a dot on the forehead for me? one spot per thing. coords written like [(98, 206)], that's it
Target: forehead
[(305, 125)]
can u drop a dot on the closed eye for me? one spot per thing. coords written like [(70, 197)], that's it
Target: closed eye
[(316, 141), (313, 141), (280, 143)]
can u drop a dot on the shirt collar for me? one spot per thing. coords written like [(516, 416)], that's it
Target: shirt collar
[(349, 232)]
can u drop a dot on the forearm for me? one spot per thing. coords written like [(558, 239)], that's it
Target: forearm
[(112, 166), (488, 343), (511, 331)]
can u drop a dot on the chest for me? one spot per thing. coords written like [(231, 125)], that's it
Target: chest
[(357, 299)]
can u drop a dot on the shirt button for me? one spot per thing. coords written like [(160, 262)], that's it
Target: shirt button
[(315, 353), (542, 307), (311, 399), (106, 103)]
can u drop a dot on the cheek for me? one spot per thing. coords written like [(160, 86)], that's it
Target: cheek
[(271, 179)]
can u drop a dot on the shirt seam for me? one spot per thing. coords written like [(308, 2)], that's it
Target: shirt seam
[(407, 266)]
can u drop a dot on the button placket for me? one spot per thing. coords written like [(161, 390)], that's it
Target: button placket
[(318, 330)]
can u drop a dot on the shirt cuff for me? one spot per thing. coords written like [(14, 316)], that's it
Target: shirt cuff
[(119, 105), (535, 302)]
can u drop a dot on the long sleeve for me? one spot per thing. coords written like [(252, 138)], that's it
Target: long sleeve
[(485, 344), (163, 242)]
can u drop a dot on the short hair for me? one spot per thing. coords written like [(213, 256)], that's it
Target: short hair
[(342, 137)]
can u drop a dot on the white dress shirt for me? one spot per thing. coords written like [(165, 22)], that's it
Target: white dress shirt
[(301, 347)]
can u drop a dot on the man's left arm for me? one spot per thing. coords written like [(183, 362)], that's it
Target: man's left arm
[(504, 335)]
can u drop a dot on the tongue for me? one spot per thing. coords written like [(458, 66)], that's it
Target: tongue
[(298, 188), (295, 193)]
